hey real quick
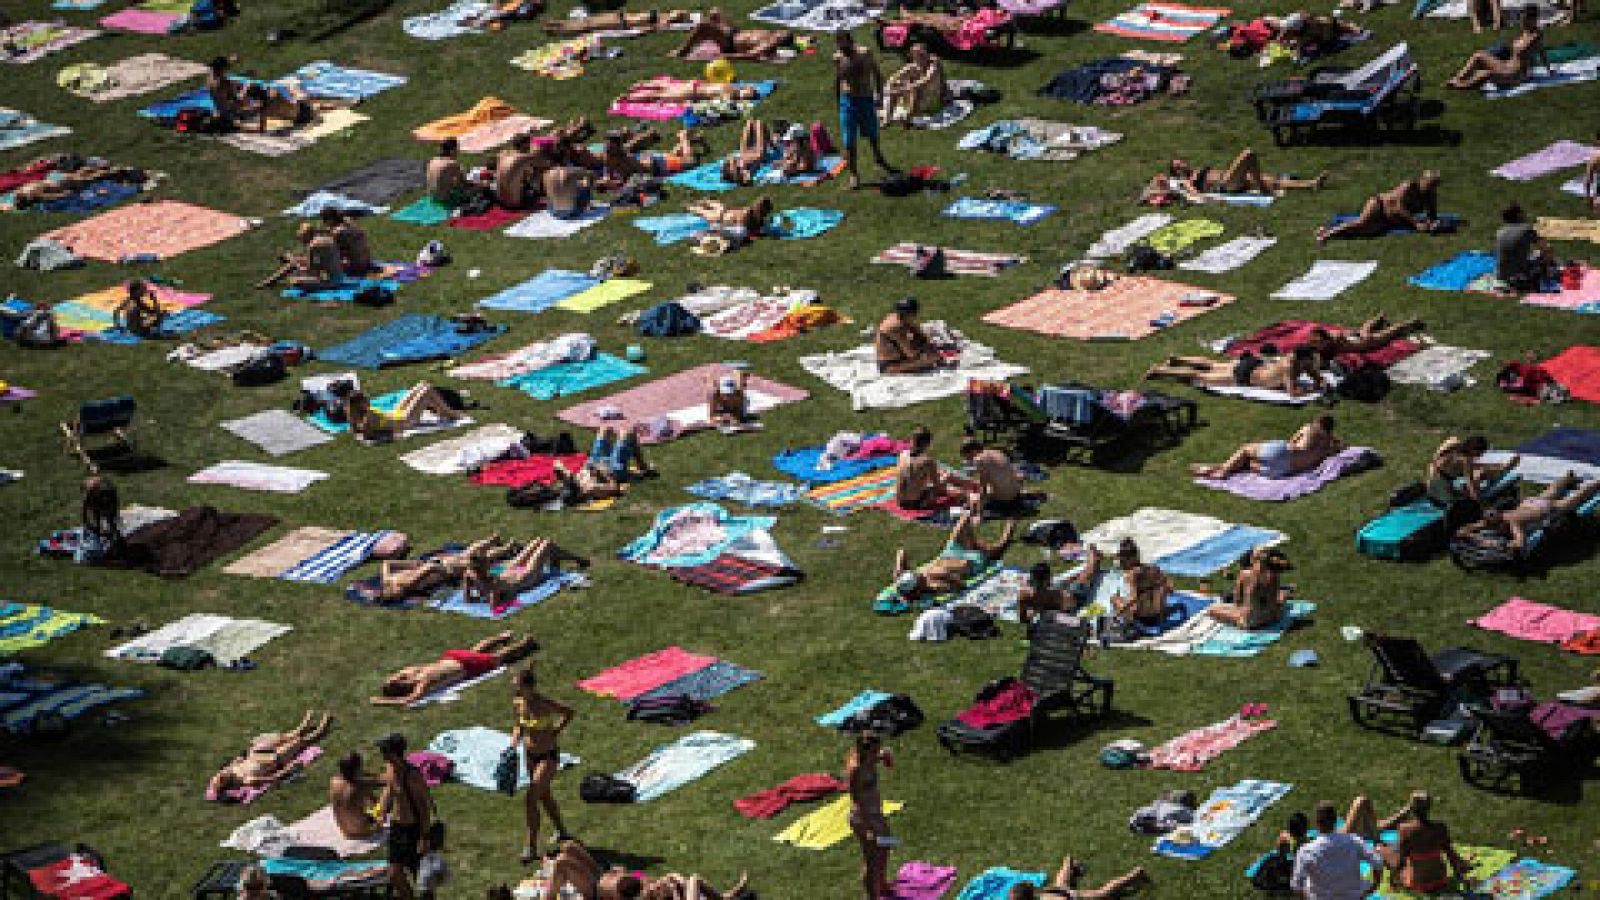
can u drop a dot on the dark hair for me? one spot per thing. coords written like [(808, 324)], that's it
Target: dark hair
[(971, 445), (350, 766), (1022, 890), (907, 306), (1475, 445), (522, 143), (526, 678), (921, 438), (1326, 816), (449, 147), (629, 887), (219, 64), (1325, 422), (844, 39), (331, 215), (499, 892), (1126, 549), (1298, 826), (1320, 333), (1304, 351), (1512, 214), (1039, 575)]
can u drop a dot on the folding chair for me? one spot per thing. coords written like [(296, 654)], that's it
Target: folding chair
[(1511, 745), (109, 421), (1406, 682)]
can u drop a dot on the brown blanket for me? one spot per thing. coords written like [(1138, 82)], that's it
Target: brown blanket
[(175, 547)]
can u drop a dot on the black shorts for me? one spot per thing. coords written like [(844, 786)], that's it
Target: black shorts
[(1245, 368), (403, 840)]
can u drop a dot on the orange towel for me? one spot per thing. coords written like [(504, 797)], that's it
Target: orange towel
[(489, 109)]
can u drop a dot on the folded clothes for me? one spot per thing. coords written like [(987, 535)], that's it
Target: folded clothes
[(799, 789)]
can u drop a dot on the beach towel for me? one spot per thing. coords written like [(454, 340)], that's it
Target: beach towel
[(1224, 815), (1117, 241), (1553, 158), (18, 129), (1438, 367), (423, 211), (1217, 552), (252, 476), (24, 626), (746, 565), (160, 230), (25, 695), (856, 372), (1016, 212), (138, 75), (1174, 238), (410, 338), (827, 825), (741, 488), (277, 432), (827, 167), (566, 379), (817, 15), (993, 587), (804, 465), (1291, 333), (331, 563), (177, 546), (329, 81), (801, 788), (674, 765), (228, 640), (1038, 140), (1446, 223), (542, 224), (1190, 751), (379, 181), (540, 292), (995, 883), (1160, 21), (706, 177), (1577, 71), (321, 830), (1326, 279), (462, 454), (283, 139), (603, 294), (1578, 370), (1157, 532), (316, 202), (475, 755), (550, 584), (447, 22), (704, 684), (740, 322), (1259, 487), (91, 197), (691, 535), (625, 105), (286, 552), (491, 135), (870, 488), (922, 881), (487, 110), (1585, 298), (142, 21), (27, 42), (244, 795), (1130, 308), (489, 220), (1576, 187), (1568, 229), (1201, 635), (1482, 864), (858, 704), (679, 399), (645, 673), (536, 469), (1563, 446), (1528, 878), (1228, 256), (327, 875), (1532, 621), (957, 262)]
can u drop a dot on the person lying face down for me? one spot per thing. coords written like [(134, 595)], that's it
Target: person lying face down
[(1277, 373), (270, 757)]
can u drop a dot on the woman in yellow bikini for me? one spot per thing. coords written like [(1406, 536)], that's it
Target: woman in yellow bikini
[(421, 401), (540, 721)]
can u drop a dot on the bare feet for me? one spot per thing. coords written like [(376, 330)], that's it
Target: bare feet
[(1322, 235)]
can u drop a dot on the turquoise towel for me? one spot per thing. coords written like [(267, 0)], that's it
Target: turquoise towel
[(426, 211), (672, 229), (346, 293), (565, 379), (1238, 643), (803, 222)]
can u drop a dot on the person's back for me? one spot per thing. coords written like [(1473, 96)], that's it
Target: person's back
[(511, 179), (997, 474), (1513, 251), (914, 475), (350, 802), (351, 242), (1329, 868), (1422, 847), (445, 178)]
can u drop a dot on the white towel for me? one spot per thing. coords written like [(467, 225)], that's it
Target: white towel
[(252, 476), (462, 454), (1326, 279), (856, 373), (1117, 240), (1229, 256), (1158, 532), (1438, 367), (1542, 469), (453, 693), (543, 225)]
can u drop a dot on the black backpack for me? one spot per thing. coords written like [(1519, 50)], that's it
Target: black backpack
[(601, 788), (1145, 258), (1369, 383), (891, 717), (930, 263), (972, 622), (262, 370), (899, 184), (1272, 874), (672, 709), (374, 295)]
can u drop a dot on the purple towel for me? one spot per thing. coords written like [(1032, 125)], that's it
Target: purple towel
[(1260, 487), (922, 881), (1554, 158)]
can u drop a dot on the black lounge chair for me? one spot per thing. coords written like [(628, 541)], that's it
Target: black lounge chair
[(1409, 684), (1510, 746), (108, 421), (1073, 416)]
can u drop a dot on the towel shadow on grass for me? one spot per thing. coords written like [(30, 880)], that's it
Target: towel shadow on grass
[(1061, 731), (1053, 26), (1125, 456), (128, 463)]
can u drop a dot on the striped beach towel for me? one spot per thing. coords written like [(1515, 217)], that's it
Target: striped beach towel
[(24, 698), (870, 489), (1172, 22), (330, 564), (957, 262)]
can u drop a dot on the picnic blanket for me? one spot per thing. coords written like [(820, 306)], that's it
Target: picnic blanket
[(1162, 21), (1016, 212), (805, 464), (540, 292), (1438, 367), (1578, 370), (1585, 298), (27, 42), (739, 487), (1129, 308), (1559, 155), (475, 753), (159, 230), (1532, 621), (408, 339), (856, 373), (1190, 751), (226, 639), (1527, 878), (1254, 486), (995, 883), (957, 262), (536, 469), (1326, 279), (252, 476), (24, 625), (1038, 140), (462, 454), (1224, 815), (645, 673), (817, 15), (678, 399), (1291, 333), (286, 552), (25, 695), (1165, 534), (1228, 256), (18, 129), (447, 22), (175, 547), (129, 77), (329, 81), (278, 432), (674, 765), (378, 182), (827, 825), (549, 585)]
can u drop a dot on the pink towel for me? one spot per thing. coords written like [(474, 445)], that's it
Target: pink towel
[(247, 795), (1535, 621), (141, 21), (922, 881), (1190, 751), (645, 674)]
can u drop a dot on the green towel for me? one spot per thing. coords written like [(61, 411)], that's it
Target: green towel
[(426, 211), (1485, 861)]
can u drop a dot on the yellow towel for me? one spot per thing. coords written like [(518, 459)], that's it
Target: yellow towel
[(1569, 229), (603, 293), (824, 827), (1484, 862), (489, 109)]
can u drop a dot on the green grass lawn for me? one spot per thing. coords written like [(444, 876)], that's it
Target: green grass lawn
[(134, 790)]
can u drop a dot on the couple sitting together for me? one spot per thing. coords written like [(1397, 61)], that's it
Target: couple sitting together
[(1423, 859), (1299, 373), (793, 149), (490, 571), (921, 484)]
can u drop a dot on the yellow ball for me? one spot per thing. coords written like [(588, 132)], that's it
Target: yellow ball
[(719, 71)]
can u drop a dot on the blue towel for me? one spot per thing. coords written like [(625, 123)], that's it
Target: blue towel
[(327, 80), (707, 684), (1215, 553), (707, 177), (995, 883), (859, 703), (96, 196), (1455, 273), (1239, 643), (1181, 607), (802, 222), (1004, 210), (1448, 223), (801, 464), (345, 293), (166, 110), (23, 699), (178, 322), (317, 201), (317, 869), (540, 292), (741, 488), (1575, 444), (566, 379), (769, 173), (734, 528), (552, 584), (410, 338), (672, 229)]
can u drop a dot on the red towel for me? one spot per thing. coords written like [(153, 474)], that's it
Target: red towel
[(76, 878), (768, 803), (1011, 703), (645, 674), (537, 469), (1578, 370), (1294, 332), (34, 171), (489, 221)]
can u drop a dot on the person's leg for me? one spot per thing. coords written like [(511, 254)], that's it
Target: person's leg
[(547, 798), (1115, 888), (494, 643), (998, 549), (1243, 174), (900, 560), (1370, 221), (1227, 614), (1578, 497), (518, 648), (849, 141), (1241, 460), (531, 809)]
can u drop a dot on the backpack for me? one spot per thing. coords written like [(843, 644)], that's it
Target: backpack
[(930, 263), (899, 184), (433, 254), (508, 771), (972, 622), (186, 659), (374, 295), (1272, 872), (1145, 258), (601, 788), (821, 140), (670, 709), (888, 718), (263, 370), (1369, 383)]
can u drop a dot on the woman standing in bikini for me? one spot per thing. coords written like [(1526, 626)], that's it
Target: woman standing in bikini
[(867, 820), (540, 721)]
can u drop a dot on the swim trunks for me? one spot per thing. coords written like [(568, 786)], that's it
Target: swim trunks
[(1273, 457), (858, 118)]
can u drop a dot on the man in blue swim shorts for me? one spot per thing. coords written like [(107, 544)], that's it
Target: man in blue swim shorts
[(858, 83)]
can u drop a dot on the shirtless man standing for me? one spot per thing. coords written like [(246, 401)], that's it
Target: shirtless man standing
[(858, 83), (1413, 203), (1304, 451), (903, 347), (409, 808)]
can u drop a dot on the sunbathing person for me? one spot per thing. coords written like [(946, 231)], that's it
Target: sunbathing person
[(485, 582), (918, 88), (650, 20), (447, 183), (1145, 588), (140, 312), (1413, 204), (355, 257), (732, 42), (1511, 70), (270, 757), (420, 402), (728, 400), (1522, 258), (1374, 334), (1277, 373), (1064, 887), (1455, 473), (921, 484), (1259, 598), (318, 268), (59, 185), (737, 221), (1423, 859), (964, 555), (281, 103), (998, 484), (570, 865), (625, 156), (796, 155), (1041, 595), (1241, 176), (413, 683), (755, 148), (671, 886), (569, 192), (1303, 451), (1310, 35), (615, 459), (226, 94), (351, 796), (402, 578), (503, 11), (689, 91), (902, 345), (519, 174), (1565, 495)]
